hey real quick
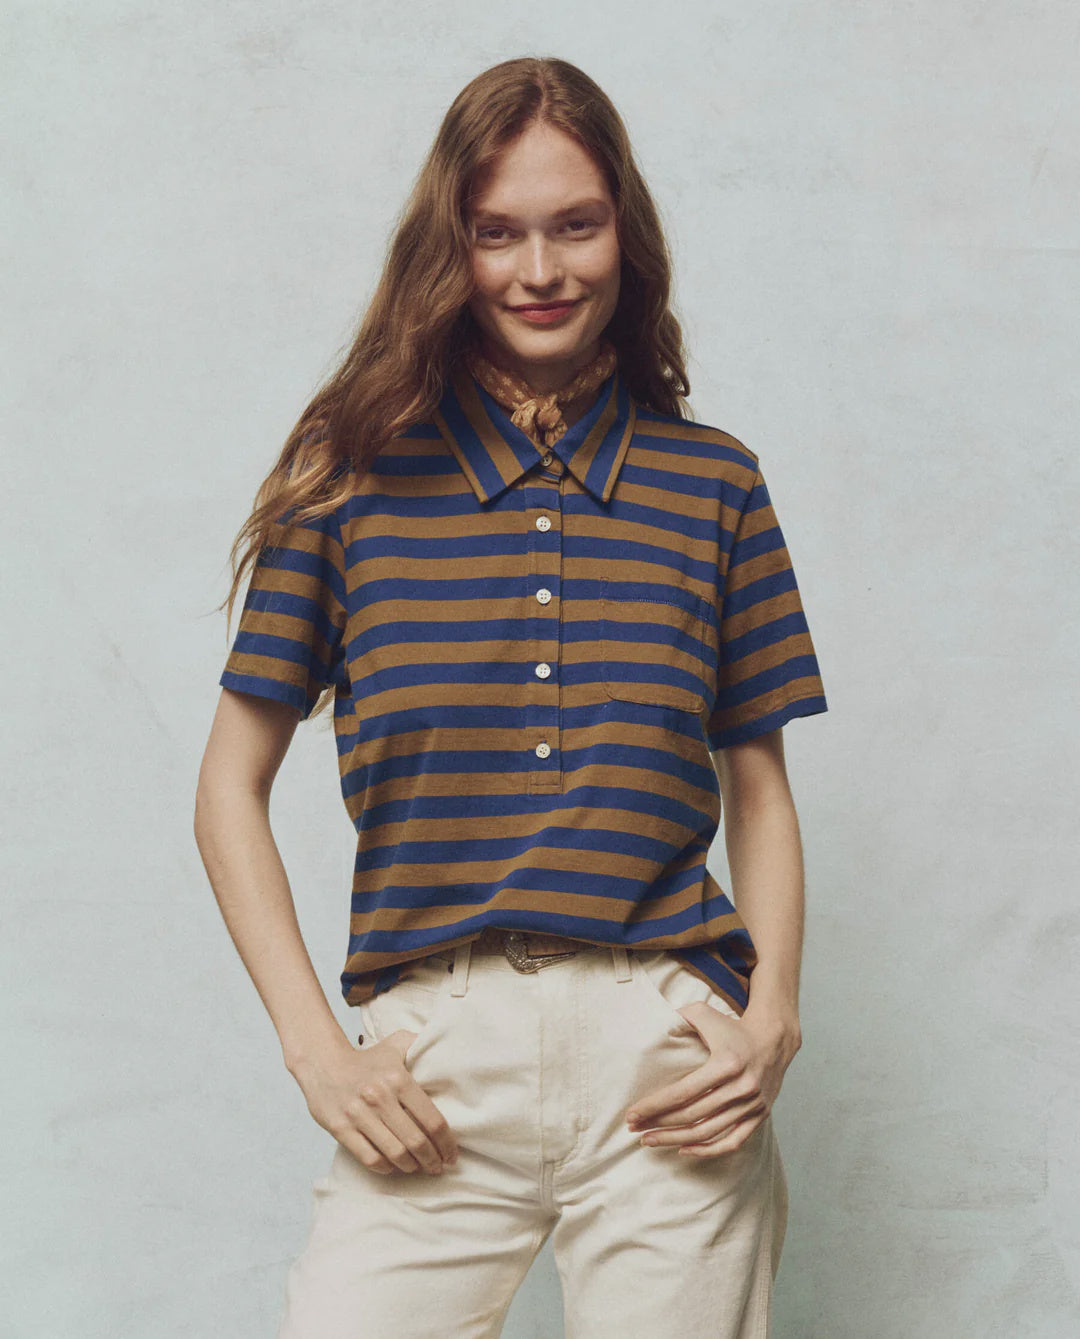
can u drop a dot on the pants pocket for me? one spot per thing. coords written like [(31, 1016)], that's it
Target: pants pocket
[(416, 1002), (669, 985)]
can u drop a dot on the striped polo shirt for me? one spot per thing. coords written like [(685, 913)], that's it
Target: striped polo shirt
[(533, 652)]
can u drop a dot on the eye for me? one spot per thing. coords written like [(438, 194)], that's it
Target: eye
[(580, 224), (487, 234)]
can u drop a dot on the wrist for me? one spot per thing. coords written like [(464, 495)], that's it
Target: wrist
[(311, 1050), (776, 1014), (780, 1025)]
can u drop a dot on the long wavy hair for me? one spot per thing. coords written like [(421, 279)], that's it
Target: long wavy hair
[(417, 325)]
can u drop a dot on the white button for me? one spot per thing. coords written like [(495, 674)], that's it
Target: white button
[(543, 595), (543, 670), (543, 523), (542, 750), (547, 459)]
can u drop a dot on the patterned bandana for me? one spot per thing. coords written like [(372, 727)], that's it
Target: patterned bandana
[(539, 416)]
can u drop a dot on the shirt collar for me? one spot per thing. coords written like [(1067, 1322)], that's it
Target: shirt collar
[(494, 453)]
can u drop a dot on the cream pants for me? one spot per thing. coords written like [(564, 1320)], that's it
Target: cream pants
[(534, 1073)]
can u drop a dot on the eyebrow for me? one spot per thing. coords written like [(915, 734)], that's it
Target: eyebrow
[(579, 207)]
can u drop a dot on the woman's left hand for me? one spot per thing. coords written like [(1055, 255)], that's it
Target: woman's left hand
[(715, 1108)]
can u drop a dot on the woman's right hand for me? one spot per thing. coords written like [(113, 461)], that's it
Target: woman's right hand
[(374, 1107)]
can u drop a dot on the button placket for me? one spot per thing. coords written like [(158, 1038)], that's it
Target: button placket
[(543, 698)]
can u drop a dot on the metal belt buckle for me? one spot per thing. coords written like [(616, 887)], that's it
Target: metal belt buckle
[(521, 961)]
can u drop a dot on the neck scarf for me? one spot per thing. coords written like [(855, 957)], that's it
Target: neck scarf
[(539, 416)]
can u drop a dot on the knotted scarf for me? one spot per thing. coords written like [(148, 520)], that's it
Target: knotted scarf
[(539, 416)]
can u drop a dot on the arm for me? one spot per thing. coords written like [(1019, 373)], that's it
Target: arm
[(247, 744), (761, 833), (718, 1106), (367, 1100)]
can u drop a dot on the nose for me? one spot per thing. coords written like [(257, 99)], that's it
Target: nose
[(541, 265)]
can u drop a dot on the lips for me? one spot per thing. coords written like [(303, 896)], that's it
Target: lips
[(548, 314), (545, 306)]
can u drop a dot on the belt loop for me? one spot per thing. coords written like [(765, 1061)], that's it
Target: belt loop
[(622, 962), (460, 972)]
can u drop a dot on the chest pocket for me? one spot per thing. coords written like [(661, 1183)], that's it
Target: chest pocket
[(656, 643)]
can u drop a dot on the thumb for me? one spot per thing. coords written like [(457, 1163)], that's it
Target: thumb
[(401, 1040)]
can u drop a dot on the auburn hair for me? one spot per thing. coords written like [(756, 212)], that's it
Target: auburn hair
[(417, 325)]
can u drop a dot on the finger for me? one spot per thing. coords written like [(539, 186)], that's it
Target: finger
[(369, 1124), (365, 1152), (702, 1131), (400, 1102), (375, 1112), (708, 1075), (410, 1137), (401, 1138), (726, 1143), (430, 1119), (722, 1097)]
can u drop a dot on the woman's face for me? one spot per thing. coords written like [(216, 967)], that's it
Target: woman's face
[(543, 230)]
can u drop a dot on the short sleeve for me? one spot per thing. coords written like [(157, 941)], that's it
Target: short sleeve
[(767, 670), (290, 641)]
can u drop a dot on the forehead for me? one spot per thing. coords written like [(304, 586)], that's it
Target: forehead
[(542, 172)]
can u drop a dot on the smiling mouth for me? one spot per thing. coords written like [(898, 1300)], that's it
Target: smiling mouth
[(545, 306)]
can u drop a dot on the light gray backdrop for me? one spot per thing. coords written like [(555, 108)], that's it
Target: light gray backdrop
[(874, 215)]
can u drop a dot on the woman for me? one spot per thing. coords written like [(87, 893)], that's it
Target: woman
[(558, 623)]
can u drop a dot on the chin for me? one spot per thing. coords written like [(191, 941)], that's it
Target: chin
[(545, 345)]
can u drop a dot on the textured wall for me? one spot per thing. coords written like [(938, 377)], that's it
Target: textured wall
[(874, 217)]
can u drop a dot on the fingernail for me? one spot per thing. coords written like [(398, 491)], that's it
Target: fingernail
[(632, 1117)]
